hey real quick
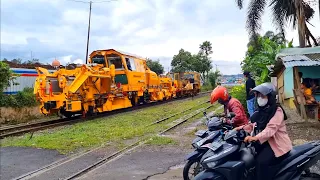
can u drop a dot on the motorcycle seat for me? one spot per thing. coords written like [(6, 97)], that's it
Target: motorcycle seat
[(294, 153)]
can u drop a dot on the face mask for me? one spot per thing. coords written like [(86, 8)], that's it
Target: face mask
[(262, 102)]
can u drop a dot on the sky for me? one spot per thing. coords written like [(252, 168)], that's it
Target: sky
[(157, 29)]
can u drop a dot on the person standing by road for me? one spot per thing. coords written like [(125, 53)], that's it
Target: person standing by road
[(250, 84)]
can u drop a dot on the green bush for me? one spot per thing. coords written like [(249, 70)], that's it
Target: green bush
[(239, 92), (21, 99), (206, 87)]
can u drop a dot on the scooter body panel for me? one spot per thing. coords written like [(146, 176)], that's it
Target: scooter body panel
[(197, 154), (232, 170), (208, 175)]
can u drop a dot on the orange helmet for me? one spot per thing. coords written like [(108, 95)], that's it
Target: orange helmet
[(219, 92)]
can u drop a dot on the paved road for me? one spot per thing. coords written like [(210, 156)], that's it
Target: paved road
[(142, 163), (16, 161)]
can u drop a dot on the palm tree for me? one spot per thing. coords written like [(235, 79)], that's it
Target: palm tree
[(297, 12)]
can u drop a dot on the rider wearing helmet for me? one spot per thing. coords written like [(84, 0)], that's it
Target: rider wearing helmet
[(269, 130), (230, 104)]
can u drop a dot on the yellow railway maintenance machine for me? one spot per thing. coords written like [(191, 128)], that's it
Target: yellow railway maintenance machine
[(75, 91), (111, 80), (137, 82), (186, 83)]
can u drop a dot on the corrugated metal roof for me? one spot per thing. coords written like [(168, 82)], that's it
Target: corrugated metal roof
[(301, 63), (315, 57), (300, 60), (291, 57), (298, 51)]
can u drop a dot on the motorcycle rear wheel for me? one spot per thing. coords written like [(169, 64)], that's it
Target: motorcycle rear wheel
[(194, 166)]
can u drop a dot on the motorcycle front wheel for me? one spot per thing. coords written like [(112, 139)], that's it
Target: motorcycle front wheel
[(191, 169)]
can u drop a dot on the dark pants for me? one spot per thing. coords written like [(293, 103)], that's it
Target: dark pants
[(264, 159)]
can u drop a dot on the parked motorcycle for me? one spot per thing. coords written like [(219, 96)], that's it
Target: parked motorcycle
[(232, 159), (216, 128)]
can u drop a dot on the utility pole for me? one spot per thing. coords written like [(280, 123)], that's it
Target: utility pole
[(88, 32), (88, 38), (31, 56)]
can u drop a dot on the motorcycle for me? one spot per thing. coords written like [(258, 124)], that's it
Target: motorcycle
[(213, 124), (232, 159), (216, 128)]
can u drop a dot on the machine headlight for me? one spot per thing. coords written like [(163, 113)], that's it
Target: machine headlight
[(40, 80)]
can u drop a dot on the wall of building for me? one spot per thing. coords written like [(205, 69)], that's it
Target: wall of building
[(308, 72), (26, 78), (288, 83)]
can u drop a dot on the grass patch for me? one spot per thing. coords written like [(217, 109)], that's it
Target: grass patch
[(161, 140), (104, 130)]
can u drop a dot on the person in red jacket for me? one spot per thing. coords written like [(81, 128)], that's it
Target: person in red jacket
[(230, 104)]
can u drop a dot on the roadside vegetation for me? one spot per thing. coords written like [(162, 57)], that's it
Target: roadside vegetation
[(116, 128), (161, 140)]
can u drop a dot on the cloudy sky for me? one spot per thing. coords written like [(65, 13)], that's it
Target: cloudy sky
[(150, 28)]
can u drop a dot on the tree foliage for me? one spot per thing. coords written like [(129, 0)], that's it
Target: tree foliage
[(200, 62), (5, 76), (213, 77), (182, 62), (261, 53), (282, 12), (206, 48), (155, 66)]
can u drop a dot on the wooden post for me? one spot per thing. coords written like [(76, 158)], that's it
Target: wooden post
[(299, 93)]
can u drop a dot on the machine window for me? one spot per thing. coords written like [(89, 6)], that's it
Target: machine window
[(133, 66), (98, 59), (116, 60)]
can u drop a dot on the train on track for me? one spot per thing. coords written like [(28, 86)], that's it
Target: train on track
[(111, 80)]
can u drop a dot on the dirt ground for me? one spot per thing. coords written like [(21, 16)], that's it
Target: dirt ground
[(299, 130)]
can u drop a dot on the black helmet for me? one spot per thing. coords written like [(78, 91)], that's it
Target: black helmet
[(265, 89)]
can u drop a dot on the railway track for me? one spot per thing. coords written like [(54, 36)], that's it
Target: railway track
[(119, 153), (134, 145), (15, 130)]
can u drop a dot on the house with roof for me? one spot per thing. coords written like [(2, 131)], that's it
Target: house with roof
[(291, 62)]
